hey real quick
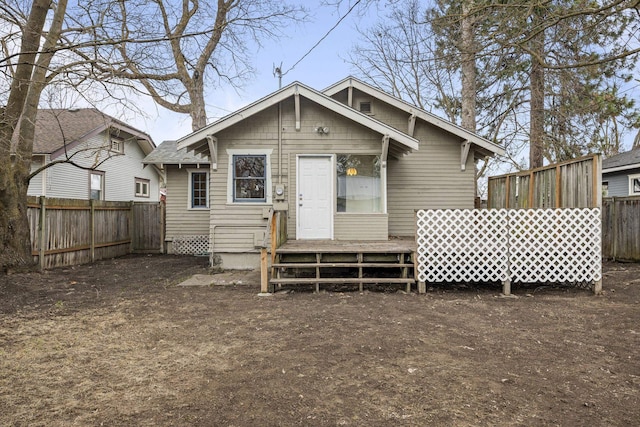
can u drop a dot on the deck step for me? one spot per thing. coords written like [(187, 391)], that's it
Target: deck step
[(345, 280), (341, 265)]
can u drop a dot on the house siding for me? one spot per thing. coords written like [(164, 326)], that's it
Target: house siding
[(236, 226), (37, 184), (619, 182), (430, 178), (181, 221), (71, 182)]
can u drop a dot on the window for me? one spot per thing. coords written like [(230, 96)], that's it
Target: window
[(117, 144), (359, 184), (249, 178), (142, 187), (634, 185), (198, 189), (605, 189), (365, 107), (96, 185)]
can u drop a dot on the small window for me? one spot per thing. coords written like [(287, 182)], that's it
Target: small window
[(198, 190), (634, 185), (249, 178), (605, 189), (96, 185), (365, 107), (117, 144), (142, 187)]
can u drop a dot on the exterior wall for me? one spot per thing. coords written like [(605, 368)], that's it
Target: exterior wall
[(240, 227), (67, 181), (619, 182), (180, 220), (38, 184), (429, 178)]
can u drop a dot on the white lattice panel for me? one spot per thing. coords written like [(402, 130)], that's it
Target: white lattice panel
[(555, 245), (525, 245), (462, 245), (190, 245)]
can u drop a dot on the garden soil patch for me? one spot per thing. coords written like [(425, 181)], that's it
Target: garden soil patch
[(118, 343)]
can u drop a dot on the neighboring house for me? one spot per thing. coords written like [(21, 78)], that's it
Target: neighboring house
[(109, 151), (621, 174), (350, 163)]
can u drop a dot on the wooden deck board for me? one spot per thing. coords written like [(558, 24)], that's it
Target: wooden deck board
[(338, 246)]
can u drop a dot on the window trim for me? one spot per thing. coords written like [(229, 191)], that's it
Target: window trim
[(102, 184), (117, 140), (143, 182), (631, 179), (230, 176), (190, 189)]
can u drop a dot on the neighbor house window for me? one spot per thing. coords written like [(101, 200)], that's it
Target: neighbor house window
[(96, 185), (359, 184), (198, 189), (142, 187), (117, 144), (634, 185)]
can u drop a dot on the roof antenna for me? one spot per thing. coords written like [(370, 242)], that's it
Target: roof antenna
[(277, 71)]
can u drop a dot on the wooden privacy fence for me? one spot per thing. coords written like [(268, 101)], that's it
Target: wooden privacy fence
[(70, 232), (506, 245), (621, 228), (572, 184)]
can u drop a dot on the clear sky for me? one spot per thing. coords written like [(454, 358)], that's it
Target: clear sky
[(324, 65)]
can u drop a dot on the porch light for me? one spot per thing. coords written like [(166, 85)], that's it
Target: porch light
[(352, 171)]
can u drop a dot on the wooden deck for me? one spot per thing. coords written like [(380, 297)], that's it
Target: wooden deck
[(300, 262), (395, 245)]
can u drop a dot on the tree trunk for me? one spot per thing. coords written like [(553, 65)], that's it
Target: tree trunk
[(198, 110), (468, 59), (15, 238), (536, 80)]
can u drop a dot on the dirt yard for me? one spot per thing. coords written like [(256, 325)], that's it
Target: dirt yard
[(117, 343)]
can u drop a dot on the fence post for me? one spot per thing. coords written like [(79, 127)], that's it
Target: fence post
[(614, 229), (92, 229), (42, 232), (131, 231)]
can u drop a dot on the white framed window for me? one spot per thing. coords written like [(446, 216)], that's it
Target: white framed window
[(96, 185), (198, 189), (634, 185), (117, 144), (359, 183), (249, 177), (142, 187)]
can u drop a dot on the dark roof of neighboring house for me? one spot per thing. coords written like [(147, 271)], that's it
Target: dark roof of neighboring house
[(55, 127), (167, 153), (622, 161)]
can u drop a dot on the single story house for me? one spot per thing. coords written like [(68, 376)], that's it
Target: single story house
[(621, 174), (91, 155), (348, 163)]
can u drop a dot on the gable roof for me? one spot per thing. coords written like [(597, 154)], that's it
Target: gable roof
[(484, 144), (404, 143), (55, 127), (168, 153), (622, 161)]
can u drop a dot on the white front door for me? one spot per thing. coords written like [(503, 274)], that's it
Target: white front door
[(315, 197)]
